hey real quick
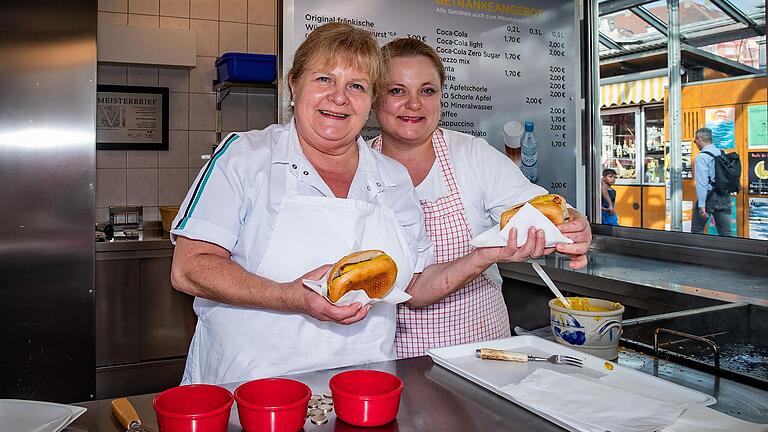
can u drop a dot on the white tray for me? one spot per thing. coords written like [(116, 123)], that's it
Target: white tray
[(34, 416), (493, 375)]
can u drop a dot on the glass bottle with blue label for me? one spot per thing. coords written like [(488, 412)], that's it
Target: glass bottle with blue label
[(529, 149)]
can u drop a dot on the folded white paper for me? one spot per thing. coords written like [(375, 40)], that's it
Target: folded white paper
[(395, 296), (590, 406), (528, 216), (697, 418)]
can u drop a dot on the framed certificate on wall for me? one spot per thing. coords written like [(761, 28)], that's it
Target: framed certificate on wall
[(131, 118)]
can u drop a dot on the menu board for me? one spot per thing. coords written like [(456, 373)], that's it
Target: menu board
[(506, 63)]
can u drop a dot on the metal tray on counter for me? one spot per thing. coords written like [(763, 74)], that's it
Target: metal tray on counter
[(494, 375)]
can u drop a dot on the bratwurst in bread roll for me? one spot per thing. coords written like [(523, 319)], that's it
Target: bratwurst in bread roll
[(551, 205), (372, 271)]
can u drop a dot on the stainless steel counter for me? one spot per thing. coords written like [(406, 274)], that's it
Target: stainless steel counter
[(609, 271), (152, 239), (604, 268), (435, 399)]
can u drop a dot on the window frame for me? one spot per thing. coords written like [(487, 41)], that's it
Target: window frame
[(737, 253)]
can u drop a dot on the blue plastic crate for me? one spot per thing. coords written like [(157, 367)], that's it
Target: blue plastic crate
[(243, 67)]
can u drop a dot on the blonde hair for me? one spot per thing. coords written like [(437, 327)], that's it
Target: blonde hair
[(334, 44), (410, 47)]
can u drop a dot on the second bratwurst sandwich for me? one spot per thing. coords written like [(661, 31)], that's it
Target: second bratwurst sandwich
[(372, 271), (551, 205)]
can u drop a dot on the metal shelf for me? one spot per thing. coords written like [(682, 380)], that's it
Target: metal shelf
[(224, 88)]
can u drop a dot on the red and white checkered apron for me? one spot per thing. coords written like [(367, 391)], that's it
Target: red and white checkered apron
[(474, 313)]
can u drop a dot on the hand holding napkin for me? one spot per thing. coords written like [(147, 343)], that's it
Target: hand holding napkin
[(527, 217), (395, 296)]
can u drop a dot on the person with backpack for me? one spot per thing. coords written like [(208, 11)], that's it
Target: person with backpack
[(717, 176)]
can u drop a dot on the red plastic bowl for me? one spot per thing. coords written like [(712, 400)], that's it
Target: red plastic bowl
[(272, 404), (196, 407), (366, 397)]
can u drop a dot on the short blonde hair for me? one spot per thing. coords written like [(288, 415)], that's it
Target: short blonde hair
[(334, 44), (411, 47)]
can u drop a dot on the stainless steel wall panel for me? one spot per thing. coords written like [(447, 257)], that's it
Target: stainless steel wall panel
[(118, 323), (167, 318), (47, 176)]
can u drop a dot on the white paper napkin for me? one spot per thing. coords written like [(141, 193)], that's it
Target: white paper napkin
[(590, 406), (395, 296), (697, 418), (526, 217)]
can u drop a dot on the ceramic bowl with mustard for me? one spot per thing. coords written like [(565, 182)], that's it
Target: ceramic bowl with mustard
[(589, 325)]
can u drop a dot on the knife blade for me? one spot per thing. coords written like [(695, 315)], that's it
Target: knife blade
[(127, 416)]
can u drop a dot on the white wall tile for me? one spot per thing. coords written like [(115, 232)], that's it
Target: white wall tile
[(142, 187), (174, 184), (102, 214), (146, 7), (113, 5), (174, 23), (111, 159), (204, 9), (112, 18), (177, 80), (233, 10), (233, 37), (163, 177), (261, 39), (201, 76), (262, 111), (177, 155), (111, 187), (142, 76), (142, 159), (174, 8), (114, 75), (200, 143), (262, 12), (233, 112), (207, 36), (136, 20), (202, 108), (150, 213), (179, 111)]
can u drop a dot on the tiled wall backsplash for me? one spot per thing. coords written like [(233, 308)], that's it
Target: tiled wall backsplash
[(161, 178)]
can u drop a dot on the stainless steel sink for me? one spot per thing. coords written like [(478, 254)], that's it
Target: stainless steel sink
[(728, 340)]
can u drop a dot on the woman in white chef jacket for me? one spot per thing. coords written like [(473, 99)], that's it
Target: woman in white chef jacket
[(463, 185), (275, 206)]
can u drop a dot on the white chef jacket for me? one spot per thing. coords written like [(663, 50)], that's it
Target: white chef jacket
[(488, 182), (239, 192)]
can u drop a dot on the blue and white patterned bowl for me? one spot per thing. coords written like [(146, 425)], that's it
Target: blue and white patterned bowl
[(596, 333)]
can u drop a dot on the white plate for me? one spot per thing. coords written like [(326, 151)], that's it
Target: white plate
[(33, 416), (493, 375)]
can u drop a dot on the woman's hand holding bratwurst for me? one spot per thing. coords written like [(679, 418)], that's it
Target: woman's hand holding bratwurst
[(577, 229), (313, 304)]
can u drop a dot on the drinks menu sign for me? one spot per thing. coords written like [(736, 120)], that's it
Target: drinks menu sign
[(508, 64)]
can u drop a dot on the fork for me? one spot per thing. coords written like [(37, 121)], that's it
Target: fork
[(494, 354)]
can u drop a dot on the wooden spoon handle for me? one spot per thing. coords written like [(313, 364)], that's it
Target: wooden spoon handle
[(124, 412)]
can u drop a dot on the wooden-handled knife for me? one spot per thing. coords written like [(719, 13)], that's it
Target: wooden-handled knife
[(127, 416)]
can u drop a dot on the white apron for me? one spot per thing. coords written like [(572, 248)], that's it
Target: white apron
[(233, 344)]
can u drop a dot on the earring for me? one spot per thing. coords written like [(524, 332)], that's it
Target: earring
[(291, 102)]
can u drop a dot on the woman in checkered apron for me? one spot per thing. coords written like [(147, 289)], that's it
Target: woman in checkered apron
[(463, 185)]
